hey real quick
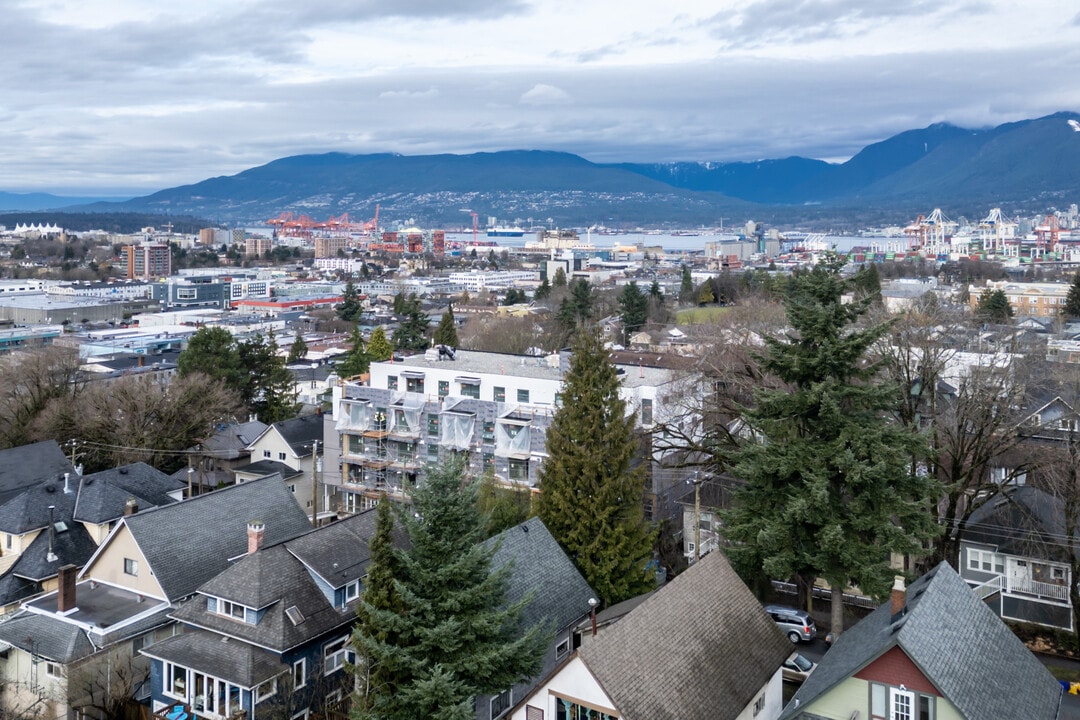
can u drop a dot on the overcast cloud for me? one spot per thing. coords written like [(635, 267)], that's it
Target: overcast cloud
[(116, 97)]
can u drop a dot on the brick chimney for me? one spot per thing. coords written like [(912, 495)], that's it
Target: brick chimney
[(898, 596), (131, 507), (255, 531), (65, 596)]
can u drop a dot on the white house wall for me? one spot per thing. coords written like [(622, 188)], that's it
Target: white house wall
[(572, 681)]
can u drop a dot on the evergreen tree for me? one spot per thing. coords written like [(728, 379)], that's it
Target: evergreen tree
[(830, 489), (412, 332), (271, 388), (379, 348), (560, 278), (1072, 300), (446, 332), (399, 303), (454, 636), (577, 306), (590, 499), (655, 292), (349, 307), (501, 507), (706, 295), (298, 350), (868, 283), (544, 291), (357, 361), (380, 622), (994, 306), (634, 309), (213, 351), (686, 288)]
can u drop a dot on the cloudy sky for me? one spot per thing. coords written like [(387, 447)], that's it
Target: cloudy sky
[(130, 96)]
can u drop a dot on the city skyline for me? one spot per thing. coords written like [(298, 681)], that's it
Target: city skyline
[(118, 98)]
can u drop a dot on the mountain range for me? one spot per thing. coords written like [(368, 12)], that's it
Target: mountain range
[(1024, 166)]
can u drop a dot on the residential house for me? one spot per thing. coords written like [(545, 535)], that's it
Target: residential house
[(701, 507), (62, 522), (221, 453), (271, 630), (28, 465), (933, 651), (700, 648), (560, 599), (1013, 554), (292, 448), (75, 649)]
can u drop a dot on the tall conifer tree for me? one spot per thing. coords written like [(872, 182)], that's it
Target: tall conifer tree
[(446, 332), (1072, 299), (590, 499), (379, 348), (830, 489)]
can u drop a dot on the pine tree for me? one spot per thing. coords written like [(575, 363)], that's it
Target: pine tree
[(560, 278), (634, 307), (706, 295), (544, 291), (412, 332), (994, 306), (357, 361), (271, 388), (349, 307), (454, 636), (830, 489), (298, 350), (590, 499), (868, 283), (379, 348), (686, 287), (379, 618), (1072, 300), (446, 332), (213, 351)]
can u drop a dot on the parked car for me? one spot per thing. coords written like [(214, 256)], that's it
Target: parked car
[(797, 668), (796, 624)]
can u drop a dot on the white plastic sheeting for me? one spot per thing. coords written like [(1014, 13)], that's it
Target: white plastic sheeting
[(354, 415), (405, 413), (456, 428), (512, 438)]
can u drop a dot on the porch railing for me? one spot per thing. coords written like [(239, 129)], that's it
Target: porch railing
[(1038, 588)]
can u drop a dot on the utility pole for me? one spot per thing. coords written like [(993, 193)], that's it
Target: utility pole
[(315, 484)]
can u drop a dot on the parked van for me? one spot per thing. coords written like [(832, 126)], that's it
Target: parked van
[(796, 624)]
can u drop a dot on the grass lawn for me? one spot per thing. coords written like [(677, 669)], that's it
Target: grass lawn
[(699, 315), (1063, 673)]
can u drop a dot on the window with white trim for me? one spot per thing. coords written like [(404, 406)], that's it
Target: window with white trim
[(985, 561), (352, 591), (131, 566), (236, 611), (499, 704), (336, 654), (899, 703), (174, 683), (53, 670), (266, 690), (299, 673)]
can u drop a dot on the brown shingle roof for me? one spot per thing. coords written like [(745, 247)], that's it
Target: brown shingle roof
[(700, 648)]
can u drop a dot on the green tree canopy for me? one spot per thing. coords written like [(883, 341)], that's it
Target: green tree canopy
[(590, 499), (379, 348), (349, 307), (271, 388), (868, 283), (213, 352), (544, 291), (634, 309), (298, 350), (412, 332), (452, 635), (1072, 299), (686, 286), (356, 361), (830, 488), (560, 278), (994, 306), (446, 332), (705, 294)]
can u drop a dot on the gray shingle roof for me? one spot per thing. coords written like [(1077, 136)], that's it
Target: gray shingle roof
[(700, 648), (338, 552), (958, 643), (29, 509), (46, 637), (190, 542), (268, 467), (235, 662), (27, 465), (102, 495), (74, 546), (232, 441), (1023, 521), (540, 566), (300, 432)]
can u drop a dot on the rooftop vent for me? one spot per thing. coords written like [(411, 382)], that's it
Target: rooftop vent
[(294, 615)]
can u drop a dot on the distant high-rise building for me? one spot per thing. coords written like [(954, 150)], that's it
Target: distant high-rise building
[(258, 246), (238, 236), (206, 236), (327, 247), (147, 261)]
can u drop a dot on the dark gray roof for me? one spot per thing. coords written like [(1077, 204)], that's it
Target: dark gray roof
[(338, 552), (46, 636), (272, 580), (235, 662), (232, 441), (957, 642), (702, 647), (28, 465), (300, 432), (103, 495), (263, 468), (74, 545), (561, 595), (14, 589), (1023, 521), (29, 509), (190, 542)]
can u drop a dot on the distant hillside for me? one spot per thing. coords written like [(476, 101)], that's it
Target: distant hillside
[(1022, 166), (27, 202)]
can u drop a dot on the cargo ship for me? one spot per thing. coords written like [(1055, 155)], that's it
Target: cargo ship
[(505, 232)]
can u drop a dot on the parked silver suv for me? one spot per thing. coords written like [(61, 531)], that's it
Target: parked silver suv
[(796, 624)]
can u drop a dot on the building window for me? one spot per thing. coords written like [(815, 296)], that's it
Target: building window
[(891, 703), (433, 424), (759, 705), (281, 456), (489, 432), (414, 385), (470, 390), (391, 382), (267, 690), (985, 561), (500, 704), (499, 394), (902, 705), (131, 567), (175, 683), (562, 648), (523, 396), (352, 591), (299, 673), (336, 654), (518, 470), (266, 453), (570, 710), (53, 670), (646, 412), (7, 541), (444, 388)]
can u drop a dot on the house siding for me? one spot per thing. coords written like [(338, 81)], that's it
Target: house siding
[(573, 681), (1018, 608), (853, 696), (896, 668), (108, 567)]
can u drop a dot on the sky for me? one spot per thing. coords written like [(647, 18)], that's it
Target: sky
[(122, 97)]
